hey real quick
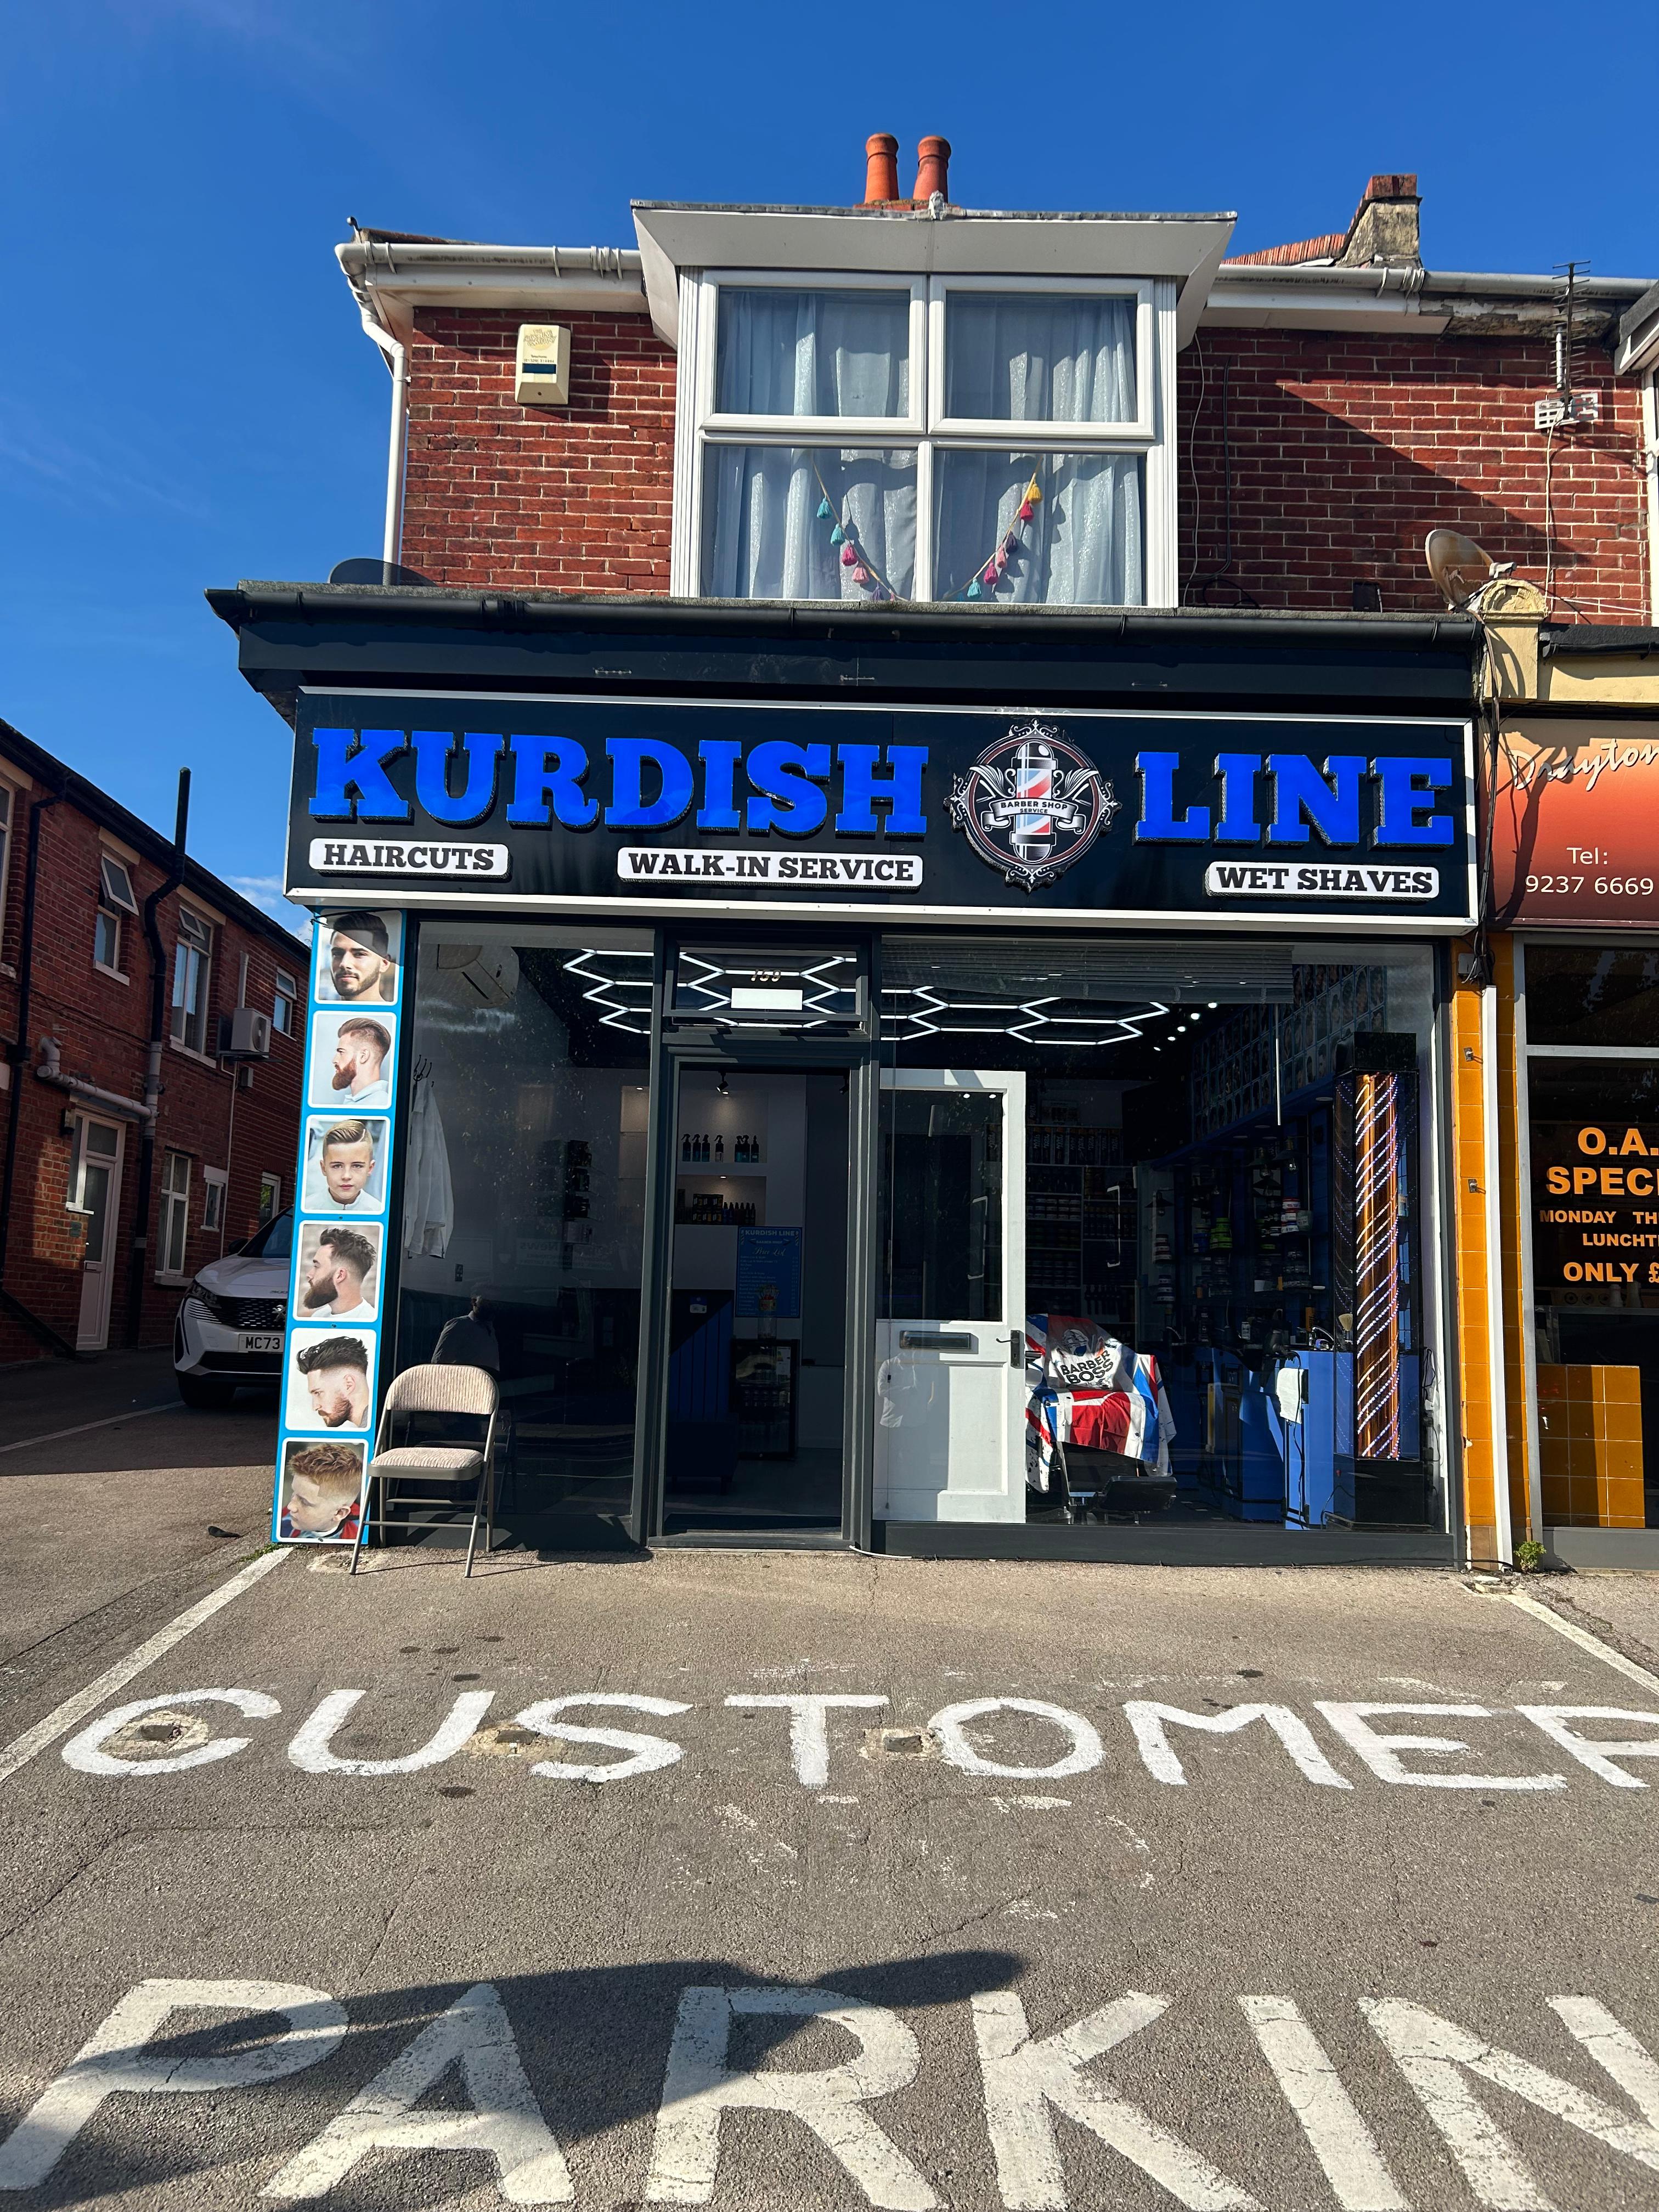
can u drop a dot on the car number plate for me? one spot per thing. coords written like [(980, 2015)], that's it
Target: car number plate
[(259, 1341)]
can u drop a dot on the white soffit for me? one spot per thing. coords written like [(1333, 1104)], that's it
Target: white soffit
[(961, 243), (1270, 298), (542, 281)]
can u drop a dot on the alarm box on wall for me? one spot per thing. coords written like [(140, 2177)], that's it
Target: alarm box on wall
[(543, 374)]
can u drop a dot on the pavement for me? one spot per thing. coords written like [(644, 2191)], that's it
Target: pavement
[(408, 1890)]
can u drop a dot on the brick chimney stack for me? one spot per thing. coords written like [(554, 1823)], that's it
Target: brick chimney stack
[(932, 170), (880, 168), (1385, 229)]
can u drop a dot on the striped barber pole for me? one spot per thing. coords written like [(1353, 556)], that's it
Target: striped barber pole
[(1033, 835)]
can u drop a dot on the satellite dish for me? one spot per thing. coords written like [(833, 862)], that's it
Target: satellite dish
[(1462, 569), (375, 572)]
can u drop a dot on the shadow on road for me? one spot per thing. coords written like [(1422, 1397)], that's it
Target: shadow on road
[(594, 2043)]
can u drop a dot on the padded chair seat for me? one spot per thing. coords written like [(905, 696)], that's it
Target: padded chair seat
[(437, 1462)]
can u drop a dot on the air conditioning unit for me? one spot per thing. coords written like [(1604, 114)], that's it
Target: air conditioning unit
[(245, 1035)]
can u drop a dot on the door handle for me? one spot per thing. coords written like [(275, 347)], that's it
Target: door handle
[(1016, 1349), (935, 1339)]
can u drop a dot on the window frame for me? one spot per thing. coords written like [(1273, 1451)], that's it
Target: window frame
[(175, 1210), (1150, 436), (112, 968), (12, 796), (813, 430), (285, 992), (273, 1183), (214, 1186), (1131, 434), (185, 943)]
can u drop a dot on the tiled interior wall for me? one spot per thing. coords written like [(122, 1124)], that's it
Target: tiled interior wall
[(1589, 1432)]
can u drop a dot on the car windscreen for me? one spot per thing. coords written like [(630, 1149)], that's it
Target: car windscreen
[(274, 1241)]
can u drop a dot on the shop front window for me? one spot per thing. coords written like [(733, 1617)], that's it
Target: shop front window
[(1220, 1302), (1592, 1026), (524, 1193)]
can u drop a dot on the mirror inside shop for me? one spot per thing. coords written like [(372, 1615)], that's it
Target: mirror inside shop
[(524, 1197), (1226, 1280)]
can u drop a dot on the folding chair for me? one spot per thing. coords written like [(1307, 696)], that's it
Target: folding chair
[(435, 1390)]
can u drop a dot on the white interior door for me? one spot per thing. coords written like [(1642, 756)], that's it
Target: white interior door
[(97, 1198), (949, 1344)]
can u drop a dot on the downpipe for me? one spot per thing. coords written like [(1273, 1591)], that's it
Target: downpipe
[(138, 1257)]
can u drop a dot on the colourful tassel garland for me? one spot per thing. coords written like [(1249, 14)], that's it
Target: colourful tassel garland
[(838, 536), (825, 510), (973, 592), (848, 557), (861, 574)]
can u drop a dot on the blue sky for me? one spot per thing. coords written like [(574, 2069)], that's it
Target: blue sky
[(186, 398)]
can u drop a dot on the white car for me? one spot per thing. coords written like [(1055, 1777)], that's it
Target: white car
[(230, 1328)]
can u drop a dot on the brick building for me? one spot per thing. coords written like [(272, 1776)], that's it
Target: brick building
[(920, 749), (1334, 401), (78, 875)]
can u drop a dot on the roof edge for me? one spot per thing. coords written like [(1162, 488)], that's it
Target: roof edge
[(156, 847)]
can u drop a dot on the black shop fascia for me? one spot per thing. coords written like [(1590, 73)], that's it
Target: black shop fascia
[(1050, 946)]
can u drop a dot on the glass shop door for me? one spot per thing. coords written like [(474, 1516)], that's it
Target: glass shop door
[(949, 1343), (756, 1432)]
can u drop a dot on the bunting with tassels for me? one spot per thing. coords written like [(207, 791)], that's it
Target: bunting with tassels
[(843, 536), (1009, 548)]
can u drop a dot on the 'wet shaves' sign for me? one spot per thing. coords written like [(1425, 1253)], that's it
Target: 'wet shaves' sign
[(1226, 878), (932, 810)]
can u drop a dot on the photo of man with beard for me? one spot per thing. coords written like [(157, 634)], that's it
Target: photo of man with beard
[(334, 1275), (351, 1061), (357, 958), (329, 1388)]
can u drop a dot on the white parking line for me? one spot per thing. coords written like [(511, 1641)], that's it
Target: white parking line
[(59, 1722), (133, 1414), (1586, 1642)]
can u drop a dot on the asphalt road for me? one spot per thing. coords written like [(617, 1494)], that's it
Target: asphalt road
[(593, 1984)]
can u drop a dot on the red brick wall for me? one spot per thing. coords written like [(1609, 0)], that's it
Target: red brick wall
[(101, 1026), (570, 499), (1347, 452)]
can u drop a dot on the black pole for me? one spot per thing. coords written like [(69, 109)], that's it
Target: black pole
[(139, 1256)]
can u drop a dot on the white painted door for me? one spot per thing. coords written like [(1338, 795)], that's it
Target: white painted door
[(950, 1347), (97, 1197)]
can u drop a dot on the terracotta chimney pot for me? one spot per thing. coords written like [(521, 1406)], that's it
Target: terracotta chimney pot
[(932, 170), (880, 168)]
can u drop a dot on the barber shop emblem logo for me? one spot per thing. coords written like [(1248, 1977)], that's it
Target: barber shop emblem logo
[(1031, 804)]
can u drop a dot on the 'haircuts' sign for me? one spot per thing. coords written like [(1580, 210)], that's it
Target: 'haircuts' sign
[(896, 810)]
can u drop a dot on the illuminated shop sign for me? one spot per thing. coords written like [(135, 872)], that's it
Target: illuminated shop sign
[(945, 808), (1577, 822)]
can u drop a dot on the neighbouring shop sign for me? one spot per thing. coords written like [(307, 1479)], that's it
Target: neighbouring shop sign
[(1576, 830), (924, 809), (1596, 1212)]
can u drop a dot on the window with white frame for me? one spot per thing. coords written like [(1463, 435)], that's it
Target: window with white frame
[(285, 1002), (175, 1213), (192, 976), (116, 897), (270, 1197), (958, 438), (213, 1198), (7, 803)]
